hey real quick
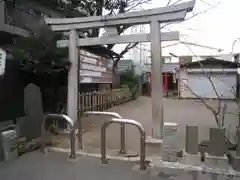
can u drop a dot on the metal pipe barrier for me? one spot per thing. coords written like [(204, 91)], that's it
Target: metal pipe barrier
[(122, 130), (142, 139), (12, 126), (72, 133)]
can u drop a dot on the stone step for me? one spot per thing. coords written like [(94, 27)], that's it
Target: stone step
[(216, 161), (153, 146), (191, 159)]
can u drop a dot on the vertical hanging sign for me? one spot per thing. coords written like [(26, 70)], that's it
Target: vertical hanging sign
[(3, 56)]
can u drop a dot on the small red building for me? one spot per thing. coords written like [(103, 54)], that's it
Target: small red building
[(169, 80)]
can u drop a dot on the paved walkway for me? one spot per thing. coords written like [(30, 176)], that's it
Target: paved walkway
[(183, 112), (56, 166)]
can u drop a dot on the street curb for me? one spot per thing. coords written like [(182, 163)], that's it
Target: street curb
[(82, 153), (160, 165)]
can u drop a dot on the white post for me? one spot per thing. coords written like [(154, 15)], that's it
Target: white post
[(73, 76), (157, 88)]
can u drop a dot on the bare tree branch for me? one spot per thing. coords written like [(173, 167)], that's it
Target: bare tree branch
[(209, 78), (169, 2), (126, 49), (218, 114), (206, 75), (194, 15), (201, 99), (137, 4)]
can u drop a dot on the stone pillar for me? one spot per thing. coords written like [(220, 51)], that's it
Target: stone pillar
[(170, 142), (191, 144), (192, 155), (156, 81), (73, 76), (215, 158), (217, 145)]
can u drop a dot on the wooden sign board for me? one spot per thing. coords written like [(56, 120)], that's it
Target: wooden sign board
[(92, 68)]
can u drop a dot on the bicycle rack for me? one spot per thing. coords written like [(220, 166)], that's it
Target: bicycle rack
[(72, 133), (112, 114), (142, 139)]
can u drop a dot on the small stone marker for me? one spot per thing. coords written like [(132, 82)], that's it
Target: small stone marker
[(170, 142), (217, 145), (33, 110), (191, 156), (191, 144)]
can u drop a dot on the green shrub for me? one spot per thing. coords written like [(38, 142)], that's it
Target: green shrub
[(130, 80)]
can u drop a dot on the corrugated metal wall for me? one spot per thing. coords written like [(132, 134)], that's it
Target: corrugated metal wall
[(225, 85)]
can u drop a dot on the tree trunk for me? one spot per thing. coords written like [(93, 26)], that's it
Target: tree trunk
[(115, 79)]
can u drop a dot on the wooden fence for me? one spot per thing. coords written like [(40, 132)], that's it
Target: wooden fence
[(102, 100)]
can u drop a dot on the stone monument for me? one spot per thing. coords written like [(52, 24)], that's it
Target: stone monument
[(33, 110)]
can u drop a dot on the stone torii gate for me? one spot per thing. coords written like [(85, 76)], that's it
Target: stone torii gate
[(154, 17)]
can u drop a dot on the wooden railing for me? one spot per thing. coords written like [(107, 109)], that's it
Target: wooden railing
[(102, 100)]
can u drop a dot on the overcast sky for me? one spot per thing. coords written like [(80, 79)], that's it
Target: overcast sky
[(217, 27)]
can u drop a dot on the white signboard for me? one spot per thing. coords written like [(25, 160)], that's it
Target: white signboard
[(3, 56)]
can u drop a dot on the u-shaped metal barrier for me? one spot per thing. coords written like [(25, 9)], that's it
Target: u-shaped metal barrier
[(122, 130), (72, 133), (142, 139), (12, 126)]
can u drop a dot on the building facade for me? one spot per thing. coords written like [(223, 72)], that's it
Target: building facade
[(210, 78)]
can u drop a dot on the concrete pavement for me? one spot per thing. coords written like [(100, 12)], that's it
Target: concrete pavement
[(56, 166), (183, 112)]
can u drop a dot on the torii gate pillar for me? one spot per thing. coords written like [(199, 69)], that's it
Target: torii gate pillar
[(157, 90), (72, 96)]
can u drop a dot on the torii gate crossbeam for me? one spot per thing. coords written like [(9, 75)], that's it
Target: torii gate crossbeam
[(133, 38), (173, 13)]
